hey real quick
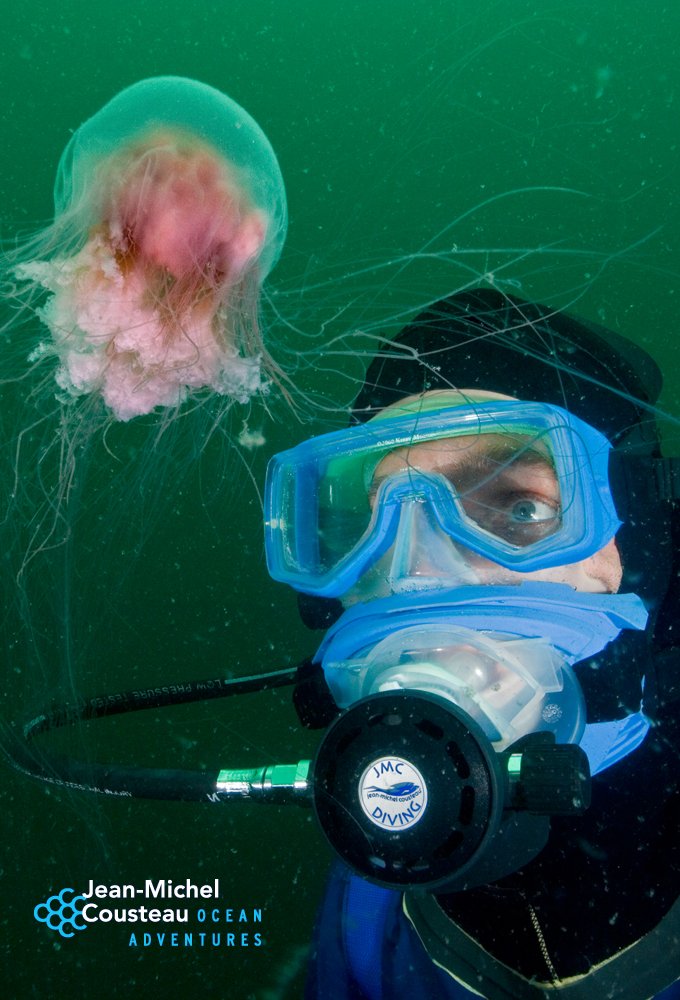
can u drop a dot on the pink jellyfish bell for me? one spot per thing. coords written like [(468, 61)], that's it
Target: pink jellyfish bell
[(170, 211)]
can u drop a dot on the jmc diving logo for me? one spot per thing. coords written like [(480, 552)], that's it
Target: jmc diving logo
[(392, 793)]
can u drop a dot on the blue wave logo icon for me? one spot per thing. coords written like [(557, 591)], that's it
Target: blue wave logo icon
[(61, 913), (398, 790)]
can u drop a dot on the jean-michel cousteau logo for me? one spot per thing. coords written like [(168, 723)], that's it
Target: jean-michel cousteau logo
[(69, 911)]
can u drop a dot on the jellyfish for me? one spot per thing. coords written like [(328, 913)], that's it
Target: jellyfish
[(120, 401), (170, 212)]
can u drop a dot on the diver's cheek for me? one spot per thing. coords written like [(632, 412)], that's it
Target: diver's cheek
[(600, 574), (606, 567)]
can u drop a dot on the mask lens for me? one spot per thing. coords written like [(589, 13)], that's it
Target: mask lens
[(504, 484), (517, 496), (344, 516)]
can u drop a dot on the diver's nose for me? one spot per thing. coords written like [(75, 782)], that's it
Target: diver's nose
[(423, 555)]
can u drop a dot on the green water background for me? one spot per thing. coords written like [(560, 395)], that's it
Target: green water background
[(435, 134)]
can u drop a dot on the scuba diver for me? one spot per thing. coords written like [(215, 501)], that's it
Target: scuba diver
[(492, 550), (492, 547)]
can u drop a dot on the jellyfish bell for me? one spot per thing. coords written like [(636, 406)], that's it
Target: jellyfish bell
[(170, 212), (197, 110)]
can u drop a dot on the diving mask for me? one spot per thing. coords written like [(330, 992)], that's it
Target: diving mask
[(521, 484)]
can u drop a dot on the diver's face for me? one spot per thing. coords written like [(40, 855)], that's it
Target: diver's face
[(520, 504)]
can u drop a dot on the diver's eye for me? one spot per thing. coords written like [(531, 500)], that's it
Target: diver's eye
[(521, 520), (528, 511)]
